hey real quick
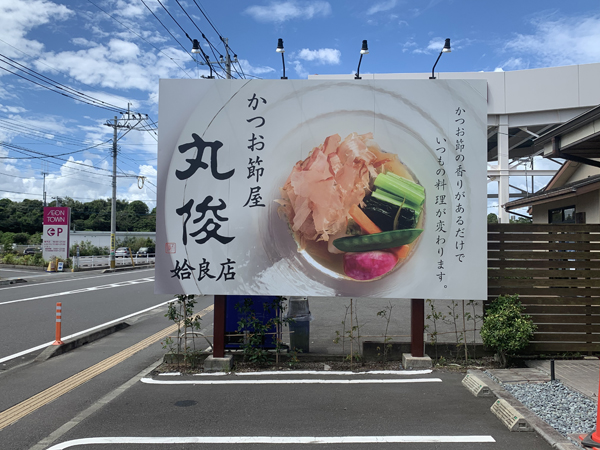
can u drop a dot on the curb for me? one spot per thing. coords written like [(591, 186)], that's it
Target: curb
[(549, 434), (122, 269), (55, 350), (12, 281), (24, 266)]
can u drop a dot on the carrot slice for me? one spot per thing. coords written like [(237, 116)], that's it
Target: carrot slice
[(402, 251), (363, 221)]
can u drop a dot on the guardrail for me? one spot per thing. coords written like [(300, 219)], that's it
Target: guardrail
[(104, 260)]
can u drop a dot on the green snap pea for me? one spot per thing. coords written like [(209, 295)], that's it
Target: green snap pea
[(377, 241)]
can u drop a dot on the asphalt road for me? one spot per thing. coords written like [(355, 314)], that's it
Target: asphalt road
[(378, 412), (89, 299), (93, 393)]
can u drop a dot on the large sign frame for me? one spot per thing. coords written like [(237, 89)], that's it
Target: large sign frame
[(56, 231), (228, 147)]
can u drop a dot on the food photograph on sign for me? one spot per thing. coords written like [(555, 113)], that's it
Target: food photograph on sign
[(322, 188), (353, 207)]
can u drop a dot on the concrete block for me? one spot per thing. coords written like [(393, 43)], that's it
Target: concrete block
[(510, 417), (476, 386), (212, 364), (416, 362)]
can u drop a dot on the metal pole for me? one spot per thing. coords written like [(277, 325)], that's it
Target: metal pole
[(113, 209)]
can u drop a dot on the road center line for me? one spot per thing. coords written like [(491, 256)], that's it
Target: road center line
[(292, 381), (26, 407), (275, 440), (79, 291)]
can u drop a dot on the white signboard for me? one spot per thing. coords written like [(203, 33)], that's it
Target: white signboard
[(323, 188), (56, 225)]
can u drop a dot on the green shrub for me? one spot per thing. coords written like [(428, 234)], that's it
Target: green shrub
[(505, 328), (9, 258)]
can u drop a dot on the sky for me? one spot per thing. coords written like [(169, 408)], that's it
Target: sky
[(68, 67)]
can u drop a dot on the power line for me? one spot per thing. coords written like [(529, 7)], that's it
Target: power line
[(38, 133), (43, 155), (164, 26), (200, 31), (64, 165), (242, 75), (54, 86), (141, 37)]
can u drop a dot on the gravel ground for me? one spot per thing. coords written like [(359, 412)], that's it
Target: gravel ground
[(564, 409)]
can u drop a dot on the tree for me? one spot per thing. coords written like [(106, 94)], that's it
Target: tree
[(492, 218), (138, 207)]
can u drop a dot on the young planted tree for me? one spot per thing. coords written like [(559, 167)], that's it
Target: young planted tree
[(505, 328)]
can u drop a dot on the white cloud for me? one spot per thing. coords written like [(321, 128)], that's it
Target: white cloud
[(300, 70), (280, 12), (12, 109), (512, 64), (17, 18), (115, 65), (557, 42), (250, 69), (83, 42), (123, 50), (381, 6), (321, 56)]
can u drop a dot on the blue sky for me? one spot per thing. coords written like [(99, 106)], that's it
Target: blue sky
[(115, 51)]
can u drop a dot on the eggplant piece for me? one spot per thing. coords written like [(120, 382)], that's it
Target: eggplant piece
[(383, 214), (407, 219)]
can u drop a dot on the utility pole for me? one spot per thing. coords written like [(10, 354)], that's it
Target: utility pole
[(227, 61), (44, 188), (113, 206), (116, 124)]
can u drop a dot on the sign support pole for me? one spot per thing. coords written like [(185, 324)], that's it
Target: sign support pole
[(219, 327), (417, 327)]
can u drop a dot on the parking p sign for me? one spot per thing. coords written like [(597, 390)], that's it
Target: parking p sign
[(57, 221)]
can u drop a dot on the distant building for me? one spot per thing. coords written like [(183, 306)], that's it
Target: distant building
[(573, 194)]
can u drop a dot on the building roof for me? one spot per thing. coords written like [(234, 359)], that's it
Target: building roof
[(572, 189), (575, 140)]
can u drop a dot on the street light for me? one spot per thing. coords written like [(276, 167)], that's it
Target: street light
[(363, 51), (281, 50), (446, 49), (196, 49)]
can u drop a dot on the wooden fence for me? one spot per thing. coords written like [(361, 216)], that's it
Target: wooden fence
[(555, 270)]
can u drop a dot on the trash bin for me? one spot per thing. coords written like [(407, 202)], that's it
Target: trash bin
[(299, 312)]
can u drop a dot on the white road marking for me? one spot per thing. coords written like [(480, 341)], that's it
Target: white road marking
[(333, 372), (275, 440), (79, 291), (291, 381), (97, 327), (75, 279)]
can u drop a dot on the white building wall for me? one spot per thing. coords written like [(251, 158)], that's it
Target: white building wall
[(588, 203)]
